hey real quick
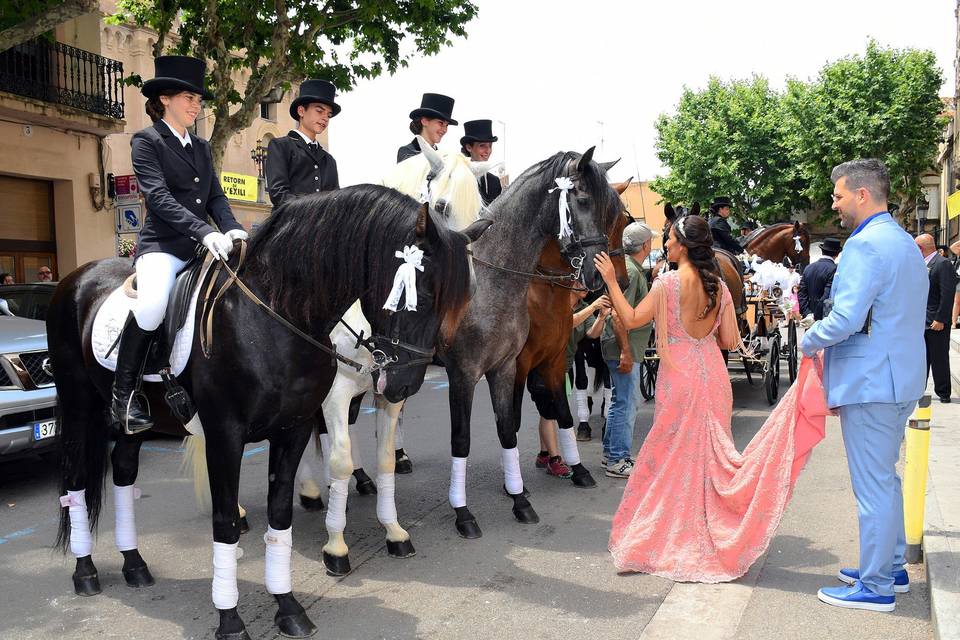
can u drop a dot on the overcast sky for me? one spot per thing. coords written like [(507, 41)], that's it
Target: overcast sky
[(552, 71)]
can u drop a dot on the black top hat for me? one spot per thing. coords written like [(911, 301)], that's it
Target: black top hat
[(177, 72), (830, 246), (721, 201), (748, 224), (311, 91), (435, 105), (477, 131)]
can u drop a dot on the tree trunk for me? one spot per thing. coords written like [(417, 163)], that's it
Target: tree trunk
[(46, 21)]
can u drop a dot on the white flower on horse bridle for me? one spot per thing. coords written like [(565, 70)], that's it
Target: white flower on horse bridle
[(798, 247), (406, 279), (564, 185)]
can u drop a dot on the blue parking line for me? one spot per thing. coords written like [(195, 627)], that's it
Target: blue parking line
[(18, 534), (153, 447), (368, 410), (254, 451)]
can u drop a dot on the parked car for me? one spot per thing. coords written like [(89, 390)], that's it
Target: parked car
[(28, 397)]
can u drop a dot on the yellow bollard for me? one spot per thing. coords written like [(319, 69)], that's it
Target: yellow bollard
[(915, 479)]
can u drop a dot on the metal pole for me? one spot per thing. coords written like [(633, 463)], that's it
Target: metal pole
[(915, 479)]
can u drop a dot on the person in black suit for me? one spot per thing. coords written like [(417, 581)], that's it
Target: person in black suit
[(477, 144), (181, 191), (720, 228), (429, 121), (943, 283), (816, 279), (297, 164)]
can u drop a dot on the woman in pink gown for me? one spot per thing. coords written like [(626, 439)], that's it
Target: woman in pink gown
[(695, 509)]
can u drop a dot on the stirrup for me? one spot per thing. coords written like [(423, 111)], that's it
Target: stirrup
[(126, 423)]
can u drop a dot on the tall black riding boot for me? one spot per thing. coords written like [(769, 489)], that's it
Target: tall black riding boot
[(125, 409)]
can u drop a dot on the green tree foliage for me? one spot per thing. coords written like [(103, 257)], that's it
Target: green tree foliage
[(773, 153), (282, 41), (882, 105), (726, 140), (22, 20)]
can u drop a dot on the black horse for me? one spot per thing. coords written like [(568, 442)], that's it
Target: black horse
[(309, 262)]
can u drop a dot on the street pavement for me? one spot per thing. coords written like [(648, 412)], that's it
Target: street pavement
[(549, 580)]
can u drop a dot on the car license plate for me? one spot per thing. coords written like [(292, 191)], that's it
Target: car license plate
[(43, 430)]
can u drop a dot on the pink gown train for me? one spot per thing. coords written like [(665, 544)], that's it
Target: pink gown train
[(695, 509)]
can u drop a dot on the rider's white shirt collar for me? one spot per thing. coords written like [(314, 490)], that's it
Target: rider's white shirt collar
[(184, 139), (304, 136)]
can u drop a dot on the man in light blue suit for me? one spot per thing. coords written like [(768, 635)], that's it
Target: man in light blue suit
[(874, 373)]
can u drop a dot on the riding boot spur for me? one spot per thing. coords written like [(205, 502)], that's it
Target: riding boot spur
[(125, 409)]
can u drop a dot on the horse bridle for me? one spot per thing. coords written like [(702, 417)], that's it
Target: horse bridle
[(376, 344)]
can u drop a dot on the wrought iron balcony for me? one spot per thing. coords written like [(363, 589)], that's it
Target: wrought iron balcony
[(61, 74)]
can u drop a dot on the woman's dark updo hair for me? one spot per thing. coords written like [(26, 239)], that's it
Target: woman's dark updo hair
[(154, 106), (698, 240), (416, 127)]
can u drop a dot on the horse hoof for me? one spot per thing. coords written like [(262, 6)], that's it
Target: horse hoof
[(365, 485), (244, 527), (239, 635), (86, 581), (469, 529), (403, 548), (526, 492), (311, 504), (581, 477), (336, 565), (231, 626), (523, 511), (138, 577), (403, 467), (296, 625)]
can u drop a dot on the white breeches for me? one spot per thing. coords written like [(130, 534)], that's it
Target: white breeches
[(156, 274)]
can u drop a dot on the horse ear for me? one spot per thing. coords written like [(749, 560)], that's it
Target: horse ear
[(585, 160), (476, 229), (620, 187), (423, 220), (695, 211), (432, 156), (669, 212), (796, 226), (606, 166)]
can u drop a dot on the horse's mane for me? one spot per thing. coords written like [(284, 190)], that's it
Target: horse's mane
[(455, 184), (330, 248)]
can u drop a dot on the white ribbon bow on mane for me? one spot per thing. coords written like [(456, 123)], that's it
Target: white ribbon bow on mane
[(564, 185), (406, 279)]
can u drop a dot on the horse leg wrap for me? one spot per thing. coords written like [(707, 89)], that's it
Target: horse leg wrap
[(337, 507), (276, 567), (512, 479), (458, 482), (583, 411), (386, 505), (125, 532), (81, 541), (568, 446), (225, 589), (325, 451)]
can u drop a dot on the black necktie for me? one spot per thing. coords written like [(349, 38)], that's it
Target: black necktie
[(189, 149)]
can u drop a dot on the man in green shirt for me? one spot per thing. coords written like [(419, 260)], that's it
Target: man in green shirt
[(624, 363)]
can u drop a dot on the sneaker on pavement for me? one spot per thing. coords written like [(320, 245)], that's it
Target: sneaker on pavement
[(542, 459), (856, 596), (603, 459), (583, 432), (620, 468), (557, 467), (901, 580)]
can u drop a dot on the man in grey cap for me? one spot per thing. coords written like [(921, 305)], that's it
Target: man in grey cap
[(623, 352)]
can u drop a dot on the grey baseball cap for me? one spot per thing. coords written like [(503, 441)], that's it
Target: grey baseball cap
[(635, 235)]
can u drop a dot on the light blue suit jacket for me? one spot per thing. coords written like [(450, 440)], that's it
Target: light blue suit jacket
[(881, 267)]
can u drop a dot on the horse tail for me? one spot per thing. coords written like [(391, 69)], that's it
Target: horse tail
[(194, 464), (601, 377)]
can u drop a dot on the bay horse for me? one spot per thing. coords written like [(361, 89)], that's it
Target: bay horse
[(496, 324), (309, 262), (776, 241), (542, 363)]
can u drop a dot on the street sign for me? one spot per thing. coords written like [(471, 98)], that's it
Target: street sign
[(127, 189), (129, 218)]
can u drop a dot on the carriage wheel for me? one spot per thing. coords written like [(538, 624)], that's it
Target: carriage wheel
[(771, 373), (792, 354), (648, 378)]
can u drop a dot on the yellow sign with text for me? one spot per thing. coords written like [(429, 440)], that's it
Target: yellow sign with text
[(238, 186), (953, 205)]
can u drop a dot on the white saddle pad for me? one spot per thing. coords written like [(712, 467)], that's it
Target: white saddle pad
[(113, 313)]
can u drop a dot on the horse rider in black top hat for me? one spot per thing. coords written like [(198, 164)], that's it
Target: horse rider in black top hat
[(477, 144), (816, 279), (181, 190), (429, 121), (297, 164), (720, 228)]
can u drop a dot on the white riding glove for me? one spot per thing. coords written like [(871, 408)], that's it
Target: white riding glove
[(218, 245), (237, 234)]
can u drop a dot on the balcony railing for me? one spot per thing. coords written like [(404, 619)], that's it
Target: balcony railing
[(55, 72)]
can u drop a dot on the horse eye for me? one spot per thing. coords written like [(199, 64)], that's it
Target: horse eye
[(584, 200)]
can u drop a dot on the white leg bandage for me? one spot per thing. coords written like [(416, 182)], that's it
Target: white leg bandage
[(568, 446), (458, 482), (276, 565), (355, 451), (386, 505), (511, 470), (225, 590), (583, 410), (325, 450), (337, 506), (81, 541), (125, 532)]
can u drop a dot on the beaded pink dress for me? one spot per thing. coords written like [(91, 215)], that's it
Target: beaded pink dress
[(695, 509)]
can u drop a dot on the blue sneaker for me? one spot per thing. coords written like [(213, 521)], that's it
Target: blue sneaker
[(901, 581), (856, 597)]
